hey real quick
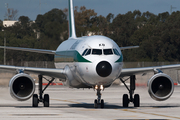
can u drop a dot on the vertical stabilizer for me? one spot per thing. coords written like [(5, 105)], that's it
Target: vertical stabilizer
[(72, 31)]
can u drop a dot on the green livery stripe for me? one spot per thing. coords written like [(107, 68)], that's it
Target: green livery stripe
[(69, 56), (120, 59)]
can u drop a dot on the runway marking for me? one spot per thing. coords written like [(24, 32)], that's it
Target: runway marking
[(123, 110), (151, 114), (35, 114), (66, 101), (89, 109)]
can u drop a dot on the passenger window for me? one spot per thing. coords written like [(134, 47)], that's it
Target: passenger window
[(107, 51), (116, 52), (84, 52), (97, 52), (88, 52)]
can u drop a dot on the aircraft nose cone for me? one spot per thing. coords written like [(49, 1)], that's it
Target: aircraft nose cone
[(104, 69)]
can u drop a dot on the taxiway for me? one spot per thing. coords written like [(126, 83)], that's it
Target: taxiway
[(77, 104)]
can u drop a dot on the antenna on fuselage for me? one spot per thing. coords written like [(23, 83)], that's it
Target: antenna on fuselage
[(72, 31)]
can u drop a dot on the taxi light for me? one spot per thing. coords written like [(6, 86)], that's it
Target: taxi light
[(101, 87), (96, 87)]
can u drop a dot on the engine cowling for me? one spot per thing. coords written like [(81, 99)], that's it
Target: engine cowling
[(160, 87), (22, 86)]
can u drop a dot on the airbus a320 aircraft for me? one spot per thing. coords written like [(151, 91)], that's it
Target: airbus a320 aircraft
[(87, 62)]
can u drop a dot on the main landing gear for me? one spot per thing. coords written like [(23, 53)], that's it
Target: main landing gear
[(136, 99), (45, 99), (98, 101)]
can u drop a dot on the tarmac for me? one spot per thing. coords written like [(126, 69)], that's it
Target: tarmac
[(77, 104)]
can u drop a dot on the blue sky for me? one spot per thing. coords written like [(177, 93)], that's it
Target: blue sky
[(32, 8)]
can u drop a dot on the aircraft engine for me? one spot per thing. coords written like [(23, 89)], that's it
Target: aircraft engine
[(160, 87), (22, 86)]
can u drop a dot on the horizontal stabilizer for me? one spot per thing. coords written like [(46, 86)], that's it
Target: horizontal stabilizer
[(30, 50), (128, 47)]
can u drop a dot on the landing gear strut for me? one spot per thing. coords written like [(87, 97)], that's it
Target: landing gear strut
[(99, 101), (136, 99), (45, 100)]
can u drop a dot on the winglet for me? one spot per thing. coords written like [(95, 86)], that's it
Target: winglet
[(72, 31)]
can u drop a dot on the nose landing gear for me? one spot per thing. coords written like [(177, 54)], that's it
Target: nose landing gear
[(98, 101)]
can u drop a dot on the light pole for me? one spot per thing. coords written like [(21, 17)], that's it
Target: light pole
[(172, 9), (4, 47)]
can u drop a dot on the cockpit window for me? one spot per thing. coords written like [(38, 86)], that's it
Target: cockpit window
[(97, 52), (116, 52), (107, 51), (88, 52), (84, 52), (100, 52)]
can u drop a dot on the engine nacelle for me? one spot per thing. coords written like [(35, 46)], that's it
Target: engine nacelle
[(22, 86), (161, 87)]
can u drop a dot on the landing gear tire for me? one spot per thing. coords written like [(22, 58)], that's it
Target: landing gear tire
[(102, 103), (46, 100), (95, 104), (136, 100), (35, 100), (125, 100)]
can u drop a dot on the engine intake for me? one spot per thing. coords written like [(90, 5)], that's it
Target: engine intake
[(22, 87), (160, 86)]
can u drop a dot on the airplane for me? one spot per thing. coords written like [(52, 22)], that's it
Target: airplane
[(87, 62)]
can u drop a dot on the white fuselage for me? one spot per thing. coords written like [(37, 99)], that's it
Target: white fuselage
[(95, 60)]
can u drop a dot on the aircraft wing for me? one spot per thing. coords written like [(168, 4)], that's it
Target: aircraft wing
[(144, 70), (52, 72), (30, 50)]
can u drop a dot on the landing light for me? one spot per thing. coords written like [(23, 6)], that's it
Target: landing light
[(96, 87), (101, 87)]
